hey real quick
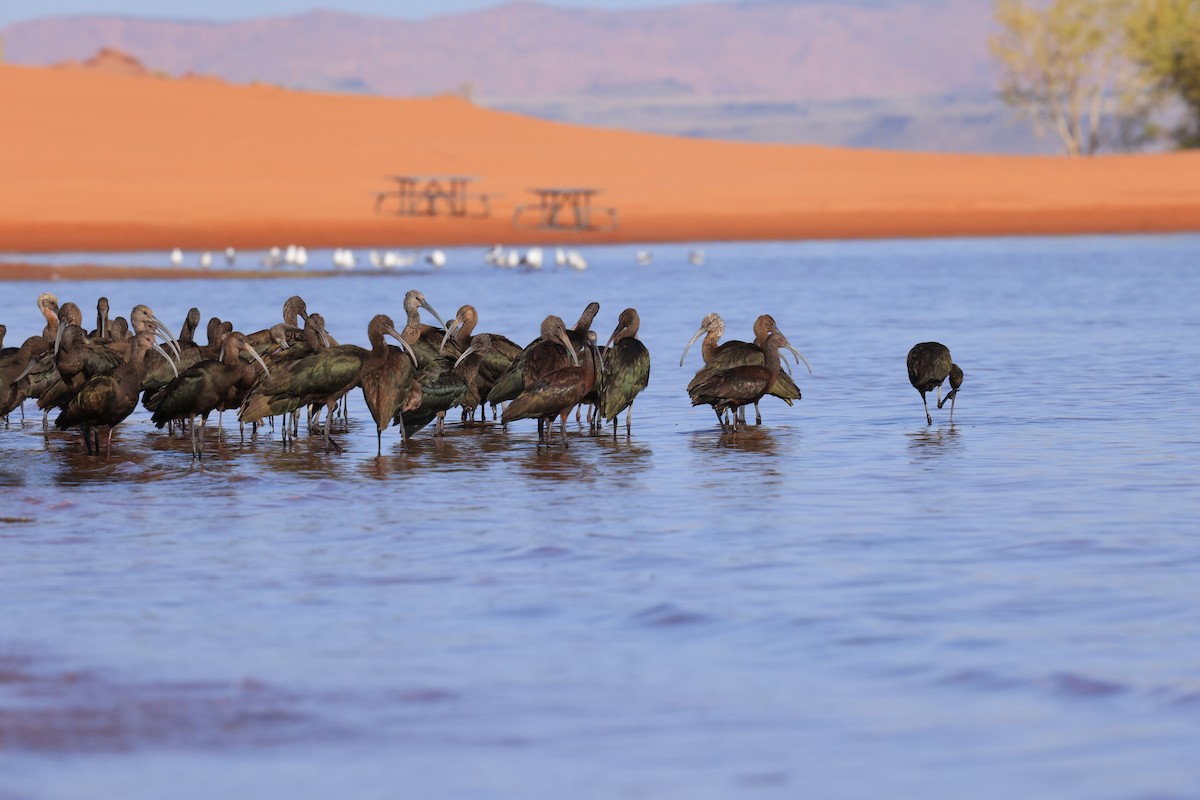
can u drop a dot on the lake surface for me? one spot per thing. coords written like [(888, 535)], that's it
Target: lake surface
[(841, 603)]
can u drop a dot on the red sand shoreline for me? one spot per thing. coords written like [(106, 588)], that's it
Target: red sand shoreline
[(155, 168)]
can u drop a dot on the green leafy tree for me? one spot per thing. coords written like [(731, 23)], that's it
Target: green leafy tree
[(1164, 40), (1064, 65)]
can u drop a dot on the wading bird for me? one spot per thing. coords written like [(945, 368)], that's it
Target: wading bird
[(202, 387), (624, 370), (742, 385), (929, 364), (106, 400), (735, 353), (553, 395), (500, 353)]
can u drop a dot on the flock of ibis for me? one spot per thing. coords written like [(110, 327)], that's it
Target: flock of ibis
[(95, 379)]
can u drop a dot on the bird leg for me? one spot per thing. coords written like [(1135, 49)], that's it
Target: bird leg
[(924, 402), (628, 419), (757, 416), (108, 443), (562, 427), (720, 418)]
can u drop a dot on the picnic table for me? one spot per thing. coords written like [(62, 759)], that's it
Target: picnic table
[(429, 195), (564, 208)]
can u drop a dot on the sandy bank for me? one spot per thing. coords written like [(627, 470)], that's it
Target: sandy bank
[(125, 162)]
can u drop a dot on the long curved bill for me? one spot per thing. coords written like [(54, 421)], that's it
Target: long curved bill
[(58, 335), (454, 325), (28, 369), (466, 353), (403, 345), (164, 333), (322, 333), (425, 305), (166, 357), (570, 347), (254, 354), (703, 330), (607, 347), (800, 357)]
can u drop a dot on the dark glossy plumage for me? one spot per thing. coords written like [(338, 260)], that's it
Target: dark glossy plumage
[(929, 364), (626, 370), (441, 388), (496, 361), (202, 388), (743, 385), (106, 400), (735, 353), (553, 395), (550, 351)]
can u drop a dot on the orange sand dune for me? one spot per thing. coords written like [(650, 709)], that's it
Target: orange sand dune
[(98, 161)]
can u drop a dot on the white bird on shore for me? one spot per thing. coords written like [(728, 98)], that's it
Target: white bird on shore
[(560, 257), (512, 259), (374, 260), (273, 258), (494, 256), (230, 255), (696, 257), (576, 261), (533, 258), (176, 257), (643, 256), (437, 258), (344, 258), (301, 256), (206, 259), (393, 259)]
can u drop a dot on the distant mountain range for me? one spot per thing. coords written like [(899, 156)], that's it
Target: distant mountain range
[(753, 70), (798, 51)]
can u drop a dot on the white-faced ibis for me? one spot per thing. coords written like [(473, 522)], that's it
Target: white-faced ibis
[(552, 350), (500, 353), (735, 353), (15, 365), (322, 378), (202, 387), (425, 341), (624, 370), (386, 378), (742, 385), (101, 331), (929, 364), (471, 365), (106, 400), (294, 309), (48, 306), (438, 387), (553, 395)]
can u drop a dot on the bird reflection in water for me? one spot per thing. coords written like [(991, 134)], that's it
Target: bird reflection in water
[(747, 440), (929, 443), (550, 464)]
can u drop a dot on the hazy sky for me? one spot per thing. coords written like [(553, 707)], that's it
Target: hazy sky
[(242, 9)]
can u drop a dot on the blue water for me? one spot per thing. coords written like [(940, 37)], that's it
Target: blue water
[(841, 603)]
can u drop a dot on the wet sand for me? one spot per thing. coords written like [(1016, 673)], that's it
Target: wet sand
[(105, 162)]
